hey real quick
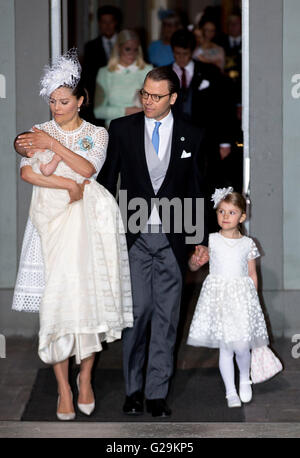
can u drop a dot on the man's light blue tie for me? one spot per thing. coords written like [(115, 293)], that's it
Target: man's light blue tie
[(155, 136)]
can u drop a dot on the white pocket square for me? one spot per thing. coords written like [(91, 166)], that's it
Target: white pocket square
[(204, 84), (184, 154)]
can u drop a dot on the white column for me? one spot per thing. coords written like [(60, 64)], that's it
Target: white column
[(2, 87), (8, 179), (64, 27), (56, 38), (245, 99), (93, 22), (155, 22)]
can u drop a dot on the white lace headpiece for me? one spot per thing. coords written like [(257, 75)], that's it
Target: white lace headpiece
[(64, 71), (220, 194)]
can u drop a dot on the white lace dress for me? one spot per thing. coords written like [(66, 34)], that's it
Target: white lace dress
[(228, 312), (74, 265)]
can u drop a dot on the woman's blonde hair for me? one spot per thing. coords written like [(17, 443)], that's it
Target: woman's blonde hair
[(123, 37)]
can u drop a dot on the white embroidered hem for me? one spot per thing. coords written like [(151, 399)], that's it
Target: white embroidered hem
[(53, 349)]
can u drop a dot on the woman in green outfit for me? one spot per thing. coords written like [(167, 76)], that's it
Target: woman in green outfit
[(118, 84)]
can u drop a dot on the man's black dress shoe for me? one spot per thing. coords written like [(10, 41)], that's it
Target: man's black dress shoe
[(134, 404), (158, 408)]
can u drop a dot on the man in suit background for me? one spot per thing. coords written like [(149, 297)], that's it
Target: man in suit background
[(97, 53), (158, 156), (232, 44), (206, 100), (203, 98)]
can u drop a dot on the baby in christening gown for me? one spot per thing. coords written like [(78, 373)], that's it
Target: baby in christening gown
[(86, 297), (228, 314)]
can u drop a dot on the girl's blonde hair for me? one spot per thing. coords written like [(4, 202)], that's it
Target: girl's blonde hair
[(123, 37), (239, 201)]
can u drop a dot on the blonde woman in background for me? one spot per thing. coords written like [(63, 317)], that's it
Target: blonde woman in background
[(118, 83)]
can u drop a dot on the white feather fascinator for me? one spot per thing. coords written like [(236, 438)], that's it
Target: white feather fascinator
[(220, 194), (64, 71)]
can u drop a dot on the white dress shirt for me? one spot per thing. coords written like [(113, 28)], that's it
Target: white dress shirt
[(189, 71), (107, 47), (235, 41), (165, 130)]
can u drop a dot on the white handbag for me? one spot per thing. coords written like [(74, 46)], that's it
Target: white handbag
[(264, 364)]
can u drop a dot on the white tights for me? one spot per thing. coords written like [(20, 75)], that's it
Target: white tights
[(226, 365)]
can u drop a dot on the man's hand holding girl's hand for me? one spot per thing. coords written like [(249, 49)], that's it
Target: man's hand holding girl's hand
[(198, 258)]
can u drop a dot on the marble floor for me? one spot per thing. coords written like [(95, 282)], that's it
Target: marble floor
[(275, 414)]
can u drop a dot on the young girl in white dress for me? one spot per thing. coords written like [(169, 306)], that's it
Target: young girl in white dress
[(228, 314)]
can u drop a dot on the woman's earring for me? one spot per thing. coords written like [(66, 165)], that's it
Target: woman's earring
[(78, 109)]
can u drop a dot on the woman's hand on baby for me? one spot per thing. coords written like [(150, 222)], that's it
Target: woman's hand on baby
[(25, 151), (76, 191), (35, 141)]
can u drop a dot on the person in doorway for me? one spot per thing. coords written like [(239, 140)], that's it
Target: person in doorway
[(118, 84), (97, 53), (205, 99), (160, 51)]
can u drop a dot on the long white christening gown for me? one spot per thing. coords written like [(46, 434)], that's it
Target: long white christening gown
[(74, 265), (228, 313)]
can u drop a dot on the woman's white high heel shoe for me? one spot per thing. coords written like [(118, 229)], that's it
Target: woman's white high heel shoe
[(87, 409), (64, 416)]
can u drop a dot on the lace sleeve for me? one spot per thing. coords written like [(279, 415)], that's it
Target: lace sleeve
[(253, 251), (97, 154), (25, 161)]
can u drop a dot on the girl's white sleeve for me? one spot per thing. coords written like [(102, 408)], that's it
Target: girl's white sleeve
[(253, 251)]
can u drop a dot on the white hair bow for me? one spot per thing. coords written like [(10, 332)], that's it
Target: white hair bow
[(220, 194)]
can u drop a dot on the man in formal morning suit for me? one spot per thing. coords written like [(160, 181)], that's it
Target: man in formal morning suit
[(158, 156), (97, 53), (232, 44)]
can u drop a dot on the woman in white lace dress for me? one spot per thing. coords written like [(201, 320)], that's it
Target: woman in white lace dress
[(74, 264), (228, 314)]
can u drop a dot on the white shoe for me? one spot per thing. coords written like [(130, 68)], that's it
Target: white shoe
[(233, 400), (245, 391), (64, 416), (87, 409)]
